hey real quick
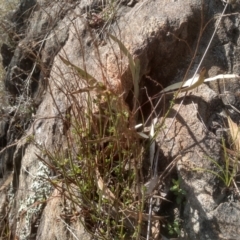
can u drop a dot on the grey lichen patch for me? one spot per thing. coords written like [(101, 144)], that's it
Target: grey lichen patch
[(31, 208)]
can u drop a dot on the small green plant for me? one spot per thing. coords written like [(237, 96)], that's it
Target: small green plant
[(174, 228), (177, 191), (225, 172), (101, 169), (104, 157)]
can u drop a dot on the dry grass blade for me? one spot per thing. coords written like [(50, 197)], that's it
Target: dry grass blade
[(108, 194), (86, 76), (127, 53), (235, 134), (189, 84), (134, 67), (222, 77)]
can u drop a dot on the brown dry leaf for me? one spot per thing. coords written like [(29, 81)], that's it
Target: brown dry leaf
[(235, 133), (155, 230)]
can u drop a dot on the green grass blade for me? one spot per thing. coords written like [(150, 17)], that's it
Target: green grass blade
[(126, 52), (210, 171), (83, 74), (134, 67)]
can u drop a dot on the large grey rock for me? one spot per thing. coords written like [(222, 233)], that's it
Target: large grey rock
[(163, 35), (20, 16), (42, 42)]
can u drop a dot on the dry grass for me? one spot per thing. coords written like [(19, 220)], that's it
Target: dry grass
[(103, 156), (99, 167)]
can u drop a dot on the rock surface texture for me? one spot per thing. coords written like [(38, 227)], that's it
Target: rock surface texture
[(168, 38)]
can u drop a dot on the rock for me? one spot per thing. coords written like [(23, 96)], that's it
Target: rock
[(23, 69), (163, 35), (3, 131), (20, 16), (52, 212), (7, 54), (3, 142)]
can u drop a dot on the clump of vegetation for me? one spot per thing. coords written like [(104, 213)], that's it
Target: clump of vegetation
[(178, 191), (101, 166), (227, 171), (174, 228)]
